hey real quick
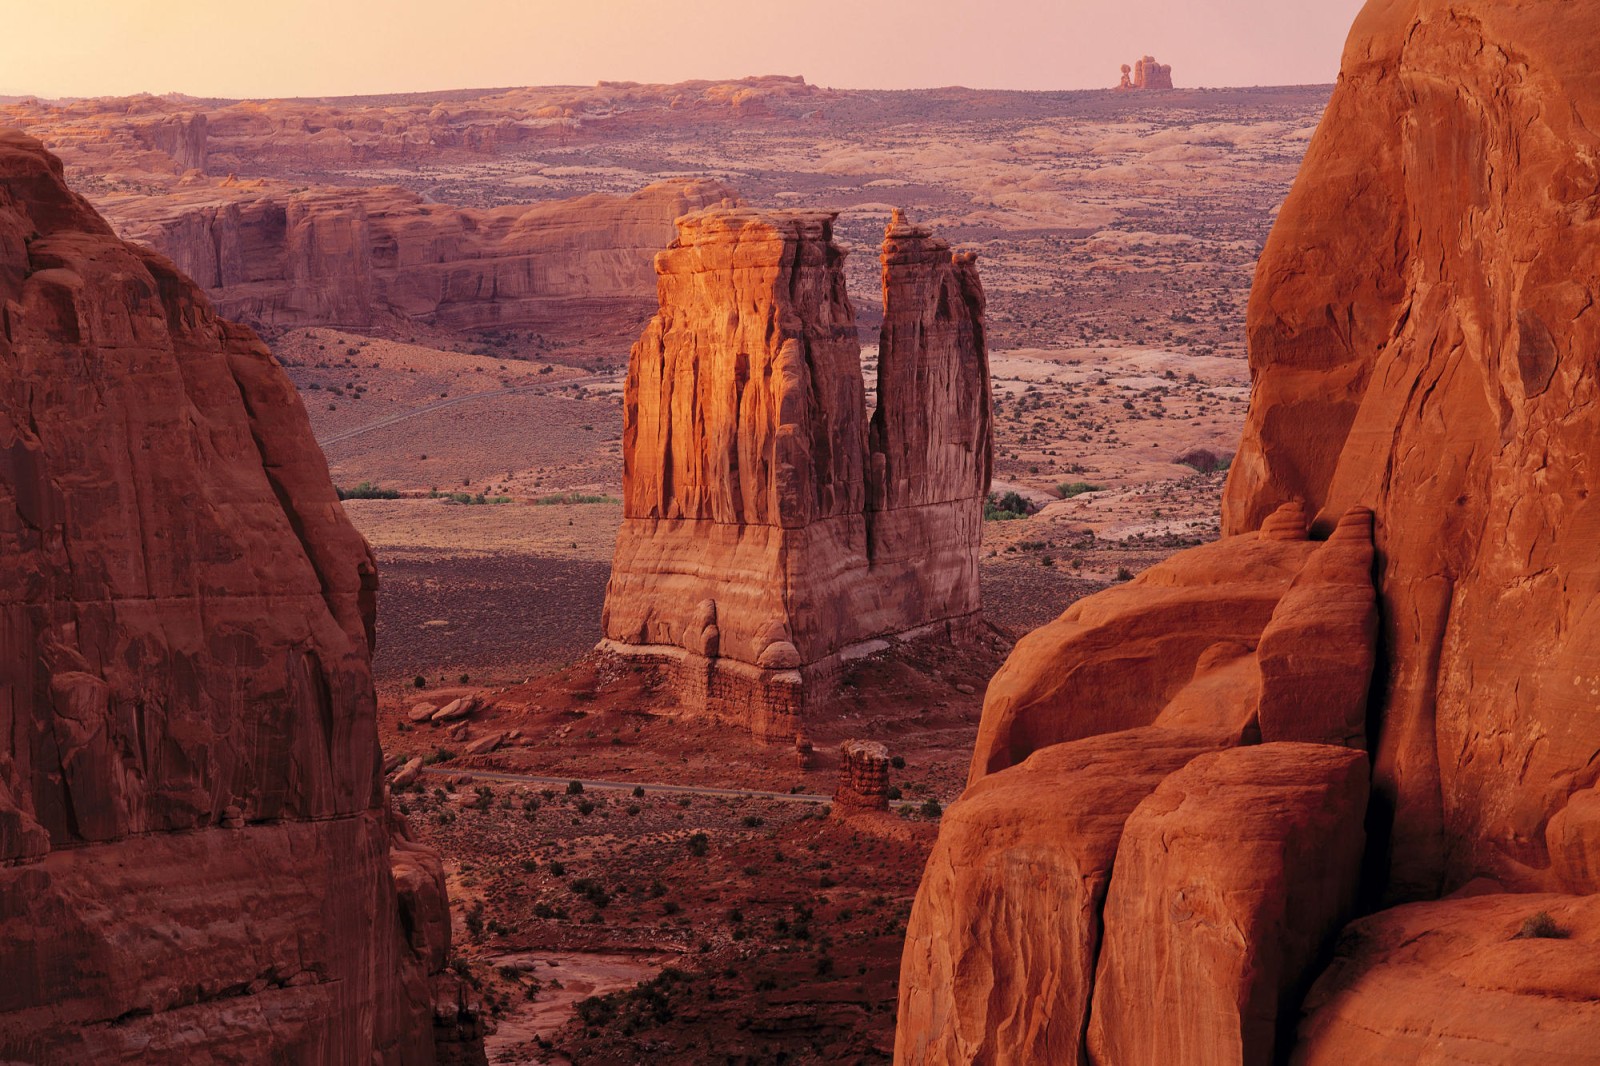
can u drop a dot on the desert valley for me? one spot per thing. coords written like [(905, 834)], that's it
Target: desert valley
[(739, 571)]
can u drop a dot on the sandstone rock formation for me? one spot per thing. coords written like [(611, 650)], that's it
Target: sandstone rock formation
[(1146, 74), (1230, 879), (1000, 949), (770, 533), (1423, 351), (356, 258), (863, 777), (196, 862), (1462, 980)]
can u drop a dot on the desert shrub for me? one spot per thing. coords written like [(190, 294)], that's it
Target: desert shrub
[(367, 491), (591, 890), (574, 788), (1541, 926), (898, 762), (586, 807), (931, 808), (699, 844), (561, 498), (1006, 508), (638, 792), (419, 681), (557, 870), (1068, 489)]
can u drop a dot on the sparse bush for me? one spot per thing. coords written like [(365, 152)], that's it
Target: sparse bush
[(367, 491), (557, 870), (898, 762), (699, 845), (419, 681), (1006, 508), (574, 788), (561, 498), (931, 808), (1541, 926), (1068, 490), (638, 792)]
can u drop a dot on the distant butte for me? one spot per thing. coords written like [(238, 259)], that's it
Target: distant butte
[(1146, 74)]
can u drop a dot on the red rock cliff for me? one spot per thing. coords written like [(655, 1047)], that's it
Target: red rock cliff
[(769, 530), (358, 258), (1424, 354), (195, 858)]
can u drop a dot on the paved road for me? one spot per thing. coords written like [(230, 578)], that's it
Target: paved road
[(439, 405), (629, 786)]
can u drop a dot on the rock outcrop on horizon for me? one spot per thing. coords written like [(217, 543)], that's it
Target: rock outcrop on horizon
[(358, 258), (196, 859), (1423, 348), (1146, 74), (771, 531)]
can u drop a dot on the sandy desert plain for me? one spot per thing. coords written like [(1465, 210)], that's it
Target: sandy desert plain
[(731, 917)]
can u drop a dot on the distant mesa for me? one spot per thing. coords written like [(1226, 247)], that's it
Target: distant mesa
[(359, 258), (772, 531), (1146, 74)]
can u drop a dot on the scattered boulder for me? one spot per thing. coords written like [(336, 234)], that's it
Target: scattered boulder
[(455, 710), (407, 773), (422, 712), (485, 744)]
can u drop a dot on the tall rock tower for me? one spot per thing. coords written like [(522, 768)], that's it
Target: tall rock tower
[(196, 859), (772, 531)]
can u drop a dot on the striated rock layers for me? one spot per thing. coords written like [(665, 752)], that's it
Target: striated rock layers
[(362, 257), (196, 862), (1423, 344), (771, 531)]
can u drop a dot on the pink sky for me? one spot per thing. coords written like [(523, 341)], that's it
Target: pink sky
[(328, 47)]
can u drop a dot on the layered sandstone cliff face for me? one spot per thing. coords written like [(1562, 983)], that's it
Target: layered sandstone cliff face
[(359, 258), (196, 864), (771, 529), (1424, 353)]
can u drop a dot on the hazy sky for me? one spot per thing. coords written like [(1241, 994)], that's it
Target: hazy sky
[(336, 47)]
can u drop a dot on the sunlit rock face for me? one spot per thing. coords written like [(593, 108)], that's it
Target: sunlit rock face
[(1424, 353), (196, 864), (772, 528)]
